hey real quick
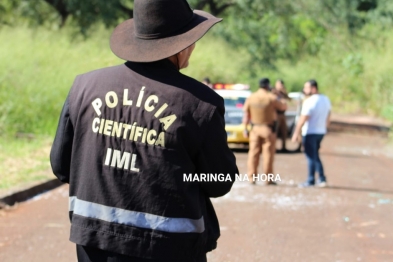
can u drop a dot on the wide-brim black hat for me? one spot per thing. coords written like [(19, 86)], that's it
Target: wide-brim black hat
[(159, 29)]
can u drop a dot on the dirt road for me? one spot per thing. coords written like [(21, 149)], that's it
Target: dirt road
[(351, 220)]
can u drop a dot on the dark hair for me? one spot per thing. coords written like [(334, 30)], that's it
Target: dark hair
[(264, 83), (313, 83), (281, 81), (207, 80)]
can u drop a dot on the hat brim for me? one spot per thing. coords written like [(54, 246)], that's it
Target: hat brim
[(126, 45)]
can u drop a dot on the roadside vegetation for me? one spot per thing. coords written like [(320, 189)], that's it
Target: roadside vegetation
[(347, 48), (23, 161)]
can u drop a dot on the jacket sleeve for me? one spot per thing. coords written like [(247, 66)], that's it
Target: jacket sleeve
[(215, 157), (60, 155)]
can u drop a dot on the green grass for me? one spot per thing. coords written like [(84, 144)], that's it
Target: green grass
[(37, 70), (24, 160), (358, 81), (216, 59), (38, 67)]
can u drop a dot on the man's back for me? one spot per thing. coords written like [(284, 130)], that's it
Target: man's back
[(138, 128), (129, 134), (317, 108), (262, 107)]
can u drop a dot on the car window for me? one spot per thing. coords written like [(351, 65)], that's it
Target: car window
[(234, 102), (233, 116)]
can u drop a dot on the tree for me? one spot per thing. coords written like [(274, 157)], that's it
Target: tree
[(268, 29), (61, 7), (6, 8), (286, 29), (84, 14), (215, 7)]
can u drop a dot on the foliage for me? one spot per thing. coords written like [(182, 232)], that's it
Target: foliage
[(215, 7), (7, 8), (85, 14), (81, 14), (268, 30), (38, 67), (358, 82), (346, 45), (216, 59), (353, 63), (287, 29), (23, 162)]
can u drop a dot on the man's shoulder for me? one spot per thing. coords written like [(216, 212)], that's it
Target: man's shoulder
[(252, 98), (268, 95), (313, 98), (326, 102), (273, 96), (309, 101), (321, 99), (325, 97)]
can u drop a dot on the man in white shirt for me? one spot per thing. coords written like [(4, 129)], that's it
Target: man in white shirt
[(312, 125)]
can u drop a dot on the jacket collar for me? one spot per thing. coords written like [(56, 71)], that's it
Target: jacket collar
[(164, 64)]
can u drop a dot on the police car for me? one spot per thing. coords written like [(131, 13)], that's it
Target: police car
[(235, 96)]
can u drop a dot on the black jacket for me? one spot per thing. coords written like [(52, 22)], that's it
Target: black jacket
[(126, 137)]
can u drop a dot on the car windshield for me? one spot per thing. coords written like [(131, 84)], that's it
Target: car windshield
[(233, 116), (234, 101)]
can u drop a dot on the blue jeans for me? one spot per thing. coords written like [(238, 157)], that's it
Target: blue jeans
[(311, 145)]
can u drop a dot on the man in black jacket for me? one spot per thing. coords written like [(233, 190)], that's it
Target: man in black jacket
[(130, 137)]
